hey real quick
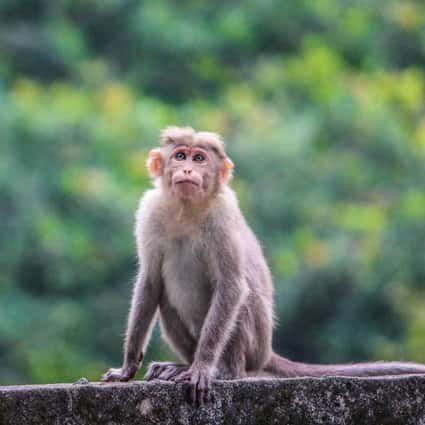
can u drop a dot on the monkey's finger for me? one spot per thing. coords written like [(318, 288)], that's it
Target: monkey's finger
[(194, 388), (183, 377), (178, 375), (177, 372), (124, 378), (203, 389), (111, 375), (163, 373), (208, 393), (148, 375), (111, 378), (152, 372), (169, 373)]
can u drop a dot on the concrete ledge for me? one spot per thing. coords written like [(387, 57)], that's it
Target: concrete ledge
[(381, 400)]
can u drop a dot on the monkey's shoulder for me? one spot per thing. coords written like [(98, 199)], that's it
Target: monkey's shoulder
[(146, 216), (148, 201), (225, 208)]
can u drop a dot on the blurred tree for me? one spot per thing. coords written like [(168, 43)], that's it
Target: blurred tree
[(322, 104)]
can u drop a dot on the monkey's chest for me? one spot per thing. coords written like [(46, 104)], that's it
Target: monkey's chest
[(187, 284)]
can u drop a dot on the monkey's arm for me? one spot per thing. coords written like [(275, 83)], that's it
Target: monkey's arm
[(140, 320), (144, 304), (230, 291), (228, 297)]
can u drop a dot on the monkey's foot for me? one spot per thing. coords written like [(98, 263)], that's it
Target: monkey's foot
[(200, 380), (120, 374), (166, 371)]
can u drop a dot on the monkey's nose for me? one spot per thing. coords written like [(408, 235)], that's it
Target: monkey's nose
[(187, 171)]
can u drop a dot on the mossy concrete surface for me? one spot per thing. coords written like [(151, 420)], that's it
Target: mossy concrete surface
[(330, 400)]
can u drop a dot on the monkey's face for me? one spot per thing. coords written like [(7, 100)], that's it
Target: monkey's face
[(191, 166), (191, 173)]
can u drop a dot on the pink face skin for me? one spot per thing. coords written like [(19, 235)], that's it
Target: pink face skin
[(190, 171)]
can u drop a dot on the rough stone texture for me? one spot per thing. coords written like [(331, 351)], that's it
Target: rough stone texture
[(382, 400)]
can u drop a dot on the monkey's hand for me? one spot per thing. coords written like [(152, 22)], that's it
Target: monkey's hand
[(121, 374), (200, 378)]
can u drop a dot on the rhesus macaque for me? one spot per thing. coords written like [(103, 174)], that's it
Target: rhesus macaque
[(203, 269)]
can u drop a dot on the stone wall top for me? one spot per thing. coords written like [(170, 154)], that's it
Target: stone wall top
[(329, 400)]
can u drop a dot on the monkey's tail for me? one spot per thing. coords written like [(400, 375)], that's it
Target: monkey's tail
[(285, 368)]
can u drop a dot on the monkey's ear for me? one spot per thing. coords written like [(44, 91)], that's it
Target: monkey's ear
[(154, 163), (226, 170)]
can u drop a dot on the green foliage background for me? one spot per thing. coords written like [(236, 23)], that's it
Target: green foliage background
[(322, 106)]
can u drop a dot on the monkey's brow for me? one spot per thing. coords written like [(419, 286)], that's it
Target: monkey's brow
[(204, 146)]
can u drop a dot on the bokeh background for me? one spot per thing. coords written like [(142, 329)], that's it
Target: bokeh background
[(321, 103)]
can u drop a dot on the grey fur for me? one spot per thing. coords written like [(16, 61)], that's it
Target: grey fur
[(203, 269)]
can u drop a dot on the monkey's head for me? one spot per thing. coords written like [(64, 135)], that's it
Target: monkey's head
[(192, 165)]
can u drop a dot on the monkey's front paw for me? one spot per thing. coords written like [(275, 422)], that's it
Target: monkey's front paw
[(200, 379), (164, 370), (121, 374)]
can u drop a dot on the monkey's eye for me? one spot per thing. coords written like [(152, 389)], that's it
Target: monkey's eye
[(180, 156), (198, 157)]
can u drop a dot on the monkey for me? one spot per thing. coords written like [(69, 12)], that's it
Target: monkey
[(203, 271)]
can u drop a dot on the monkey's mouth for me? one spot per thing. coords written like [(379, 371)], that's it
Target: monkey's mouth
[(187, 181)]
